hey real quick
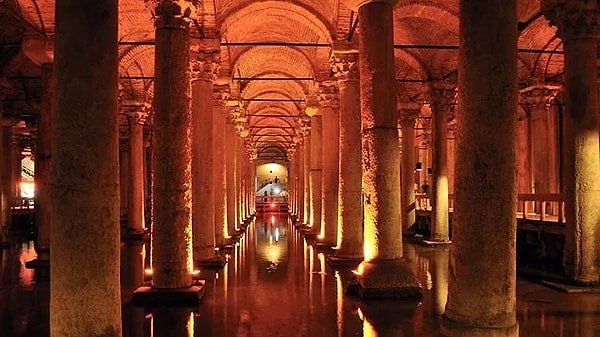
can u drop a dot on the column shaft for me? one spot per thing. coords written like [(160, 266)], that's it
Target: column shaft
[(486, 190), (307, 180), (230, 151), (203, 184), (84, 235), (315, 172), (330, 171), (439, 195), (407, 123), (172, 235), (135, 209), (219, 174), (43, 172)]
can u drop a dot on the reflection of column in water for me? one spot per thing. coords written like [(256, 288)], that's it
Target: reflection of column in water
[(39, 325), (410, 255), (440, 261), (172, 322), (312, 329), (347, 323), (385, 319), (586, 321), (134, 320)]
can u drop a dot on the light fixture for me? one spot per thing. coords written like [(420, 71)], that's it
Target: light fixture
[(419, 166)]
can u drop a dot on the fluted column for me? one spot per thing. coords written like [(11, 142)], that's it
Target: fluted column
[(85, 297), (137, 115), (481, 295), (409, 111), (441, 97), (344, 64), (204, 68), (171, 165), (578, 29), (219, 166), (329, 102), (383, 272), (316, 134)]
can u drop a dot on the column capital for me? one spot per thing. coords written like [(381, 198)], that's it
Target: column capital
[(312, 106), (537, 97), (356, 4), (408, 112), (136, 112), (204, 65), (220, 95), (39, 49), (329, 94), (574, 19), (344, 65), (168, 14), (440, 94)]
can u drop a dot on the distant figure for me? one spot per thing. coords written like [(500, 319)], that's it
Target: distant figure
[(276, 179), (265, 197)]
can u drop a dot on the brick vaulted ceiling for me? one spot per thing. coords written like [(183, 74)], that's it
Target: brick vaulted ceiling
[(272, 39)]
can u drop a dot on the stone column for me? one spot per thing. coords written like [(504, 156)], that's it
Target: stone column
[(383, 272), (231, 173), (239, 180), (441, 97), (409, 112), (344, 63), (481, 292), (4, 195), (299, 191), (316, 159), (219, 167), (329, 103), (43, 163), (536, 100), (137, 115), (204, 66), (85, 297), (171, 164), (578, 29), (307, 172)]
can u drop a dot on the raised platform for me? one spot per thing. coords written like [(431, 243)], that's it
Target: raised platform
[(343, 262), (570, 288), (432, 243), (216, 263), (146, 296)]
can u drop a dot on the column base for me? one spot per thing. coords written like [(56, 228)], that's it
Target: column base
[(37, 264), (146, 296), (452, 329), (214, 263), (343, 262), (324, 247), (385, 279)]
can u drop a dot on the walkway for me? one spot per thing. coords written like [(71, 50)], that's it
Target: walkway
[(275, 285)]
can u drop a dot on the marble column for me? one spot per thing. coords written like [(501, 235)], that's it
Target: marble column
[(441, 98), (383, 272), (344, 63), (307, 173), (85, 296), (578, 29), (316, 134), (43, 163), (204, 67), (409, 112), (137, 115), (329, 102), (481, 292), (231, 173), (171, 165), (219, 166), (536, 100)]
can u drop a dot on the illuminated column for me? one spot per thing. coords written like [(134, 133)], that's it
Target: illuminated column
[(383, 272), (481, 293), (536, 100), (329, 102), (230, 172), (299, 190), (441, 97), (239, 179), (307, 172), (578, 29), (137, 114), (85, 297), (4, 180), (171, 164), (43, 162), (409, 111), (204, 67), (219, 166), (344, 64), (315, 168)]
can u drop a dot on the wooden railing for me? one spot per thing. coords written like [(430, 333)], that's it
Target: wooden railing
[(271, 199), (543, 207)]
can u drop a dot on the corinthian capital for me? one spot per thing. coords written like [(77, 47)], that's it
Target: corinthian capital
[(329, 94), (170, 13), (573, 18), (204, 65), (356, 4), (136, 112), (408, 112), (537, 97), (344, 65), (220, 95)]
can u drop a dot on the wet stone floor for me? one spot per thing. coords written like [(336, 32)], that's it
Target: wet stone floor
[(276, 285)]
